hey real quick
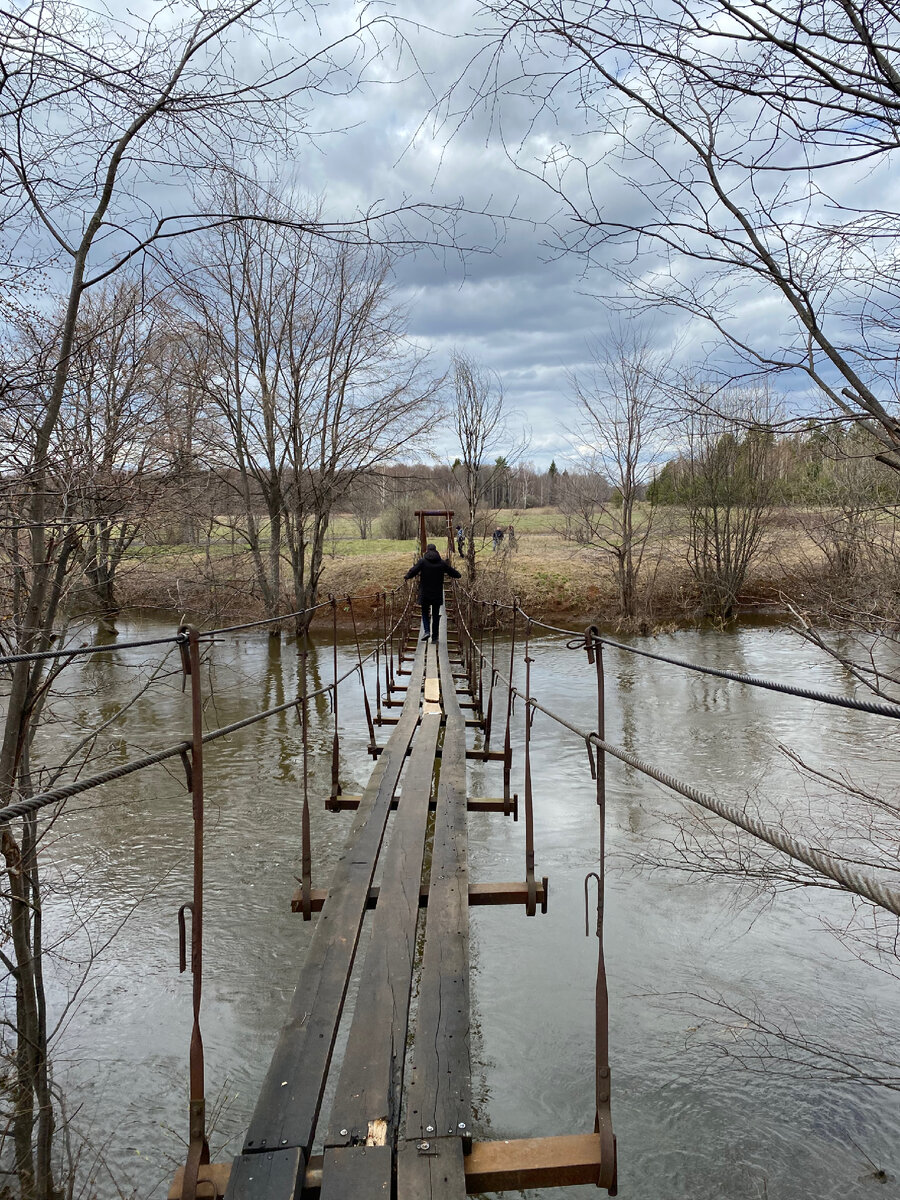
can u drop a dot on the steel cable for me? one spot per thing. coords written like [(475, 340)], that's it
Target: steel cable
[(300, 612), (876, 707), (851, 878), (175, 639), (66, 791), (39, 655)]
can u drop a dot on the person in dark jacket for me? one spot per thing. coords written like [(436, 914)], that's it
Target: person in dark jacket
[(431, 569)]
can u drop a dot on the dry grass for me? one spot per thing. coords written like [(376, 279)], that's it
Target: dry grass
[(552, 577)]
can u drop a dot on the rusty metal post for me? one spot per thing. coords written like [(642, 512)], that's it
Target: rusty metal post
[(198, 1146), (379, 626), (507, 741), (362, 679), (489, 716), (594, 647), (306, 862), (391, 682), (531, 900), (602, 1109), (335, 742), (480, 644), (473, 661)]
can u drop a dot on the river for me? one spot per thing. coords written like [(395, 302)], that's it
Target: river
[(691, 1119)]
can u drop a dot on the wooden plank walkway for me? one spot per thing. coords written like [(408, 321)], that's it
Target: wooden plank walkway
[(387, 1135)]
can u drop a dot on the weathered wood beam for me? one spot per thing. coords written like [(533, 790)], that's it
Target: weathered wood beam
[(474, 804), (479, 894), (495, 1166)]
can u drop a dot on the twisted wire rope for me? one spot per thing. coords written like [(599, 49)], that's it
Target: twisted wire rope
[(852, 878), (878, 708), (33, 804), (173, 639)]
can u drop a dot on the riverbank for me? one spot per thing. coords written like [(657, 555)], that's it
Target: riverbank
[(552, 577)]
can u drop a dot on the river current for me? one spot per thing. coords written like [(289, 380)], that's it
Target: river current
[(701, 1106)]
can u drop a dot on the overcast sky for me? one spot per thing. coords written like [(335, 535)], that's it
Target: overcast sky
[(521, 310), (412, 134)]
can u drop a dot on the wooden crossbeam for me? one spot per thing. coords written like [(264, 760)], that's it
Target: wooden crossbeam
[(434, 706), (496, 1166), (478, 755), (479, 894), (482, 804)]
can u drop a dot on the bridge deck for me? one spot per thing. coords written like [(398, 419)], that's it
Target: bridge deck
[(387, 1135)]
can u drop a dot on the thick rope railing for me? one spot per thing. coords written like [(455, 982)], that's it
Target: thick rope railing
[(66, 791), (853, 879), (876, 707)]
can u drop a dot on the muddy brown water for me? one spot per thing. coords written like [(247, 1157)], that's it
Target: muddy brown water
[(692, 1120)]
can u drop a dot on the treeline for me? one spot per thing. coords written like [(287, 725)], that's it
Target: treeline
[(264, 384), (821, 465)]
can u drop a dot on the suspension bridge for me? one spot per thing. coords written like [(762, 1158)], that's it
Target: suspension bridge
[(401, 1122)]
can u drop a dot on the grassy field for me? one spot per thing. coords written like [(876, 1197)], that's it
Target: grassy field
[(551, 576)]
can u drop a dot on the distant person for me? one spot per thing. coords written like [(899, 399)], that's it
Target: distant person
[(431, 569), (460, 540), (497, 538), (511, 535)]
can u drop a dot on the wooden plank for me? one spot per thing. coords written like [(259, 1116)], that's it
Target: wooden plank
[(439, 1100), (433, 690), (431, 1169), (288, 1105), (264, 1176), (354, 1172), (371, 1074), (533, 1163)]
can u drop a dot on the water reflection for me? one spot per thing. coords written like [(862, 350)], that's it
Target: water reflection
[(689, 1123)]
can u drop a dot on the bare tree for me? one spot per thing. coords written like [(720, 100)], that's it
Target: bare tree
[(728, 488), (480, 423), (360, 396), (112, 463), (849, 509), (305, 360), (91, 108), (620, 440), (244, 296), (757, 141)]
